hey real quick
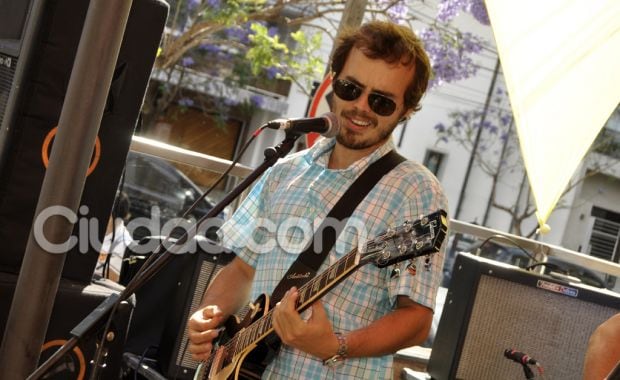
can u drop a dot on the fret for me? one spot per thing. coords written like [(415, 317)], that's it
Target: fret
[(308, 289), (316, 286), (254, 334), (322, 281), (252, 331), (350, 261), (241, 341), (231, 347), (302, 294), (264, 321), (247, 336), (332, 273), (268, 323), (258, 329)]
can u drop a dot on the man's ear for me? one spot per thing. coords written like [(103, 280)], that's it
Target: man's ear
[(406, 116)]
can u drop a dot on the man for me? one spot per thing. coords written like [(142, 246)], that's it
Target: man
[(380, 72), (603, 353)]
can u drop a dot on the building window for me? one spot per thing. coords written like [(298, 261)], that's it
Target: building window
[(433, 161), (605, 238), (605, 235)]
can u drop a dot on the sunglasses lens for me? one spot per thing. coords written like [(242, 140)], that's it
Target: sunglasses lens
[(346, 90), (349, 91), (381, 105)]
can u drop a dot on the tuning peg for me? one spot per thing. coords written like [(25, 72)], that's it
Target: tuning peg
[(427, 263), (395, 273)]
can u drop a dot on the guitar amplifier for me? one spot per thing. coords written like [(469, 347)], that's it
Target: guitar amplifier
[(491, 307)]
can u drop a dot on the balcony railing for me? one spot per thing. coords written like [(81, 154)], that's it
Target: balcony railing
[(538, 248)]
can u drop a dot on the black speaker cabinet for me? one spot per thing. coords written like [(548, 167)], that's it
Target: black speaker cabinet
[(31, 99), (491, 307), (165, 303), (174, 358), (74, 301)]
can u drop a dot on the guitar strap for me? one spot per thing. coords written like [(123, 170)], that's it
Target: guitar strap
[(309, 261)]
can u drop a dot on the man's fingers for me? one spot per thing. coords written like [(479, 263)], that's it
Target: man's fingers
[(200, 337), (201, 343), (202, 330), (200, 352), (211, 311), (289, 301)]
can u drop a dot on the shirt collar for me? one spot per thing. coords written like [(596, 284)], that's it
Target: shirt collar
[(319, 154)]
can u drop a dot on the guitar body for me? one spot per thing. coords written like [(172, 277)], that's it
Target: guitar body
[(246, 365)]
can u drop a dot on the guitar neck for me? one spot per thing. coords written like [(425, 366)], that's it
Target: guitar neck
[(308, 293)]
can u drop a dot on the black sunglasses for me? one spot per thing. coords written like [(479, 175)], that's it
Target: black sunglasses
[(379, 104)]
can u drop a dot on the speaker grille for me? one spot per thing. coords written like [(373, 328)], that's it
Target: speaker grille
[(7, 73), (208, 269), (552, 328)]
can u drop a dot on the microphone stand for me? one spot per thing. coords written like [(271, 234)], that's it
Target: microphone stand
[(109, 305)]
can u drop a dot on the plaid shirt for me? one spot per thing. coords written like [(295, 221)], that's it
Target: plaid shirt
[(275, 223)]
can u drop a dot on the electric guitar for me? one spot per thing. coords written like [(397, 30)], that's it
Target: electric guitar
[(407, 241)]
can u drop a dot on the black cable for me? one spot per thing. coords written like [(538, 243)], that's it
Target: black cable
[(180, 241), (135, 373), (550, 266), (514, 242)]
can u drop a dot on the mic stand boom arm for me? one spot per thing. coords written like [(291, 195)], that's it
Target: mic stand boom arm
[(108, 306)]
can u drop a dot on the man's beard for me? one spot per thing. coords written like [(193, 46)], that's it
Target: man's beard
[(350, 140)]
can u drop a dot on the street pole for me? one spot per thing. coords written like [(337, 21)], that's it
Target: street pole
[(352, 17), (476, 141), (497, 173), (353, 14)]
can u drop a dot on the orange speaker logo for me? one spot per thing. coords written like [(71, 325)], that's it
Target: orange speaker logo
[(73, 364), (46, 148)]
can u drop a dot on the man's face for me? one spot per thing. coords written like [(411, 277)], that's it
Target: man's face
[(361, 126)]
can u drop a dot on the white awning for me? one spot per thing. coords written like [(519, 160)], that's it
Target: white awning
[(561, 62)]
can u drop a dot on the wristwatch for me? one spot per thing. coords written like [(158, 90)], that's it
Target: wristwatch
[(338, 359)]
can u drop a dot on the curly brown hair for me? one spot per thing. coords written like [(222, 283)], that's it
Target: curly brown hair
[(391, 43)]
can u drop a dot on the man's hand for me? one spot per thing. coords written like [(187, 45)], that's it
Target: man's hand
[(202, 330), (314, 336)]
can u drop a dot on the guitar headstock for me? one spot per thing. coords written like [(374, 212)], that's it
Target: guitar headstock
[(407, 241)]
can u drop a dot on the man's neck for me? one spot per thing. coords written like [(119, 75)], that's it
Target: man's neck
[(342, 157)]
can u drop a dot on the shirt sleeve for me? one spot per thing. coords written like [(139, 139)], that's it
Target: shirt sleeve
[(419, 278)]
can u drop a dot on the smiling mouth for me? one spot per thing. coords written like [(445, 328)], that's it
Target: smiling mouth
[(358, 124)]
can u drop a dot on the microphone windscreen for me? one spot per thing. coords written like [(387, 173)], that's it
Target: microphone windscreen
[(333, 124)]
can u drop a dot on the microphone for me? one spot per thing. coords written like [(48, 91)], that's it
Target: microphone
[(326, 124), (519, 357)]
